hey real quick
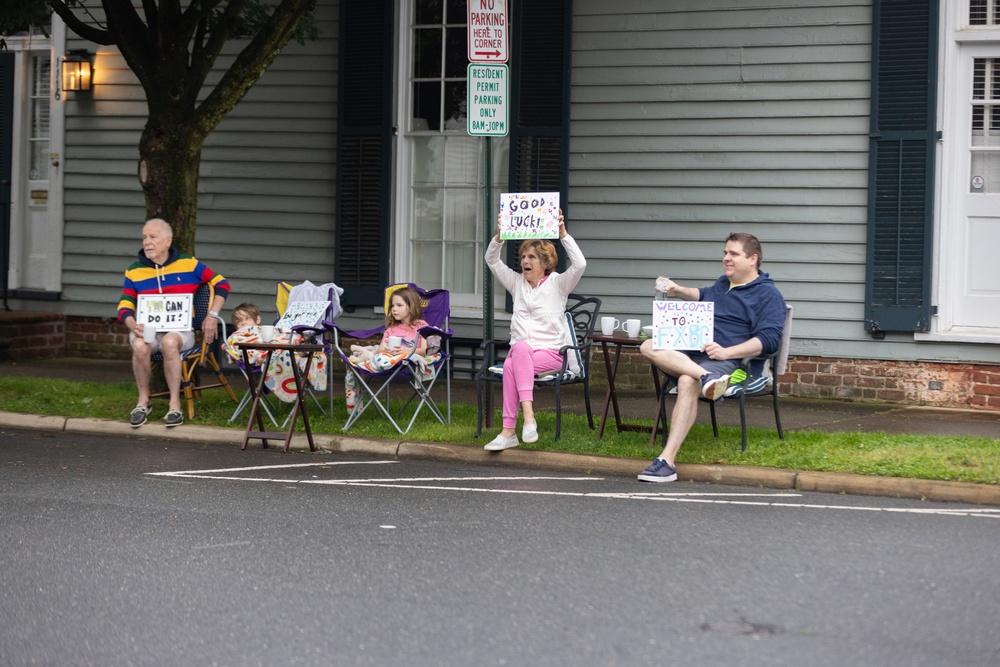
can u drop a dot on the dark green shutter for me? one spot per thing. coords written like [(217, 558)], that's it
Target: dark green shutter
[(6, 153), (901, 165), (364, 149), (540, 54)]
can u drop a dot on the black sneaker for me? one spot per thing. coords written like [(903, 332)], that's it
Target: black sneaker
[(139, 416), (174, 418), (714, 385), (660, 471)]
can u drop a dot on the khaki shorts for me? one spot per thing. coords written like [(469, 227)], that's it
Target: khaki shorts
[(187, 339)]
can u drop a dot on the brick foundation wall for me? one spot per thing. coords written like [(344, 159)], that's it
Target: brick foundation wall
[(96, 338), (912, 383), (31, 336)]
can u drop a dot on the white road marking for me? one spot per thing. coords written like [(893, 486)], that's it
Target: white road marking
[(434, 484)]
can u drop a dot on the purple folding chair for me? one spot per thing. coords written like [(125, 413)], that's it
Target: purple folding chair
[(373, 386)]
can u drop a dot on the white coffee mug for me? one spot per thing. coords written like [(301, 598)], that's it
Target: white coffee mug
[(394, 341), (608, 325), (266, 333), (149, 333), (632, 328)]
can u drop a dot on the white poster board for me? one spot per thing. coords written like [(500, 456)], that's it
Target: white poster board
[(303, 313), (682, 325), (529, 215), (165, 312)]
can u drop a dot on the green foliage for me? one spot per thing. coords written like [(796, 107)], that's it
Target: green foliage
[(884, 454), (19, 15)]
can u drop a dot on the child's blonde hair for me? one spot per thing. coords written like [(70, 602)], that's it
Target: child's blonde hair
[(411, 299), (246, 311)]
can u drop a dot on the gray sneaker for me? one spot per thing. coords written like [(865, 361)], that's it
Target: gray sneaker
[(139, 416), (174, 418)]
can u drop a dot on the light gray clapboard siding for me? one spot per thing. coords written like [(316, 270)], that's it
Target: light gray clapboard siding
[(696, 118), (266, 187)]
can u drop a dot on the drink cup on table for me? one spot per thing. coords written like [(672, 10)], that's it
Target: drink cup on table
[(608, 325), (266, 333), (632, 328)]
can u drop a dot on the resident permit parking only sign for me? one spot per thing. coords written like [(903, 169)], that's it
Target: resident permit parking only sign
[(487, 31), (487, 100)]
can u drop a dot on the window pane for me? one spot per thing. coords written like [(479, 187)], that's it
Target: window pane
[(457, 11), (426, 53), (428, 213), (427, 264), (429, 12), (456, 53), (985, 166), (462, 164), (455, 105), (426, 106), (461, 268), (460, 219), (428, 160)]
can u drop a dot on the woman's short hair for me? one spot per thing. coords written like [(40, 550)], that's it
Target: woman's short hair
[(546, 253), (246, 311), (411, 299)]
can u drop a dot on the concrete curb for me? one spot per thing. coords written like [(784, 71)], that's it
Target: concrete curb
[(771, 478)]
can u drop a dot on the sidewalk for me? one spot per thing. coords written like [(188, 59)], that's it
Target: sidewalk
[(796, 414)]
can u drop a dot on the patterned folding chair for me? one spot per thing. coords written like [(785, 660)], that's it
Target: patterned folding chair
[(581, 314), (373, 387), (199, 354)]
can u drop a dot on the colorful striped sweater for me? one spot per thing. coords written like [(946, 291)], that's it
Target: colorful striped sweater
[(181, 274)]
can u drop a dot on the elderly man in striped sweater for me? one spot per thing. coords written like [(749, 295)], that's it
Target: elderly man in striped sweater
[(163, 269)]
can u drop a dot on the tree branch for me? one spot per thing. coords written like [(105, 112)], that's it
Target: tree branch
[(84, 30)]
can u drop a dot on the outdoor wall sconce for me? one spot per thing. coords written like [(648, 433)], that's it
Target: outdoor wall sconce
[(77, 70)]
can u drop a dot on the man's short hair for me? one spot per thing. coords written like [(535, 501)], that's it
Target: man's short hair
[(751, 246), (165, 227)]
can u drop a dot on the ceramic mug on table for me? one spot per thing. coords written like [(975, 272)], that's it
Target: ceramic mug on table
[(608, 325), (266, 333), (149, 333), (632, 328)]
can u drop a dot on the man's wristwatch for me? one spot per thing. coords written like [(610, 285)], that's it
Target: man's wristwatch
[(213, 313)]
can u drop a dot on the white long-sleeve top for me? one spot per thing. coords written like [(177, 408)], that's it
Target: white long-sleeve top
[(538, 311)]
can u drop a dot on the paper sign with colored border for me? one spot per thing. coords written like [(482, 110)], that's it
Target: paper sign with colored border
[(303, 313), (529, 215), (682, 325), (165, 312)]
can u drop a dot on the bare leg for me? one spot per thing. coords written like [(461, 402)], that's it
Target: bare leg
[(683, 416), (171, 345), (141, 368)]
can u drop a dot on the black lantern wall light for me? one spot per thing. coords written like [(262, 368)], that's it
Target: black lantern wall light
[(77, 70)]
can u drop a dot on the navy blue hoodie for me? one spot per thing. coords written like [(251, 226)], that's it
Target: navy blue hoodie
[(755, 309)]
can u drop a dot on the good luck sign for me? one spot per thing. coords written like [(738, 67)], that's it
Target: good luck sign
[(529, 215)]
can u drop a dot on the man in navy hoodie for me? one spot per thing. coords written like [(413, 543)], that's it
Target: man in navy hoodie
[(749, 318)]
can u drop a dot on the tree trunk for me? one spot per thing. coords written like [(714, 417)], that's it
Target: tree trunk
[(169, 158)]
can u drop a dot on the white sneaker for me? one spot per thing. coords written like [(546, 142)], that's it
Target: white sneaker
[(530, 432), (500, 443)]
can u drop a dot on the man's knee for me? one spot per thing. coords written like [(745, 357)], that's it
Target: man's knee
[(647, 348), (687, 384)]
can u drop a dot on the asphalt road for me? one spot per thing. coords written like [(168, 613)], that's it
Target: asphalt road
[(154, 552)]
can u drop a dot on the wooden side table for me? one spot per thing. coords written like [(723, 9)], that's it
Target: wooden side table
[(611, 395), (257, 391)]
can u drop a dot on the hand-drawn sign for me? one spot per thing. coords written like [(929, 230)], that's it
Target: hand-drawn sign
[(529, 215), (682, 325), (303, 313), (165, 312)]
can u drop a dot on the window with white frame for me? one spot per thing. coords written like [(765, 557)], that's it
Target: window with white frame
[(443, 164)]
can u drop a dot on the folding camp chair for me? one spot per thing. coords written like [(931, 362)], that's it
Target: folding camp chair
[(581, 314), (266, 401), (315, 332), (373, 387), (199, 354)]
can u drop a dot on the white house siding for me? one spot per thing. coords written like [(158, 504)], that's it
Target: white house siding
[(692, 119), (266, 192)]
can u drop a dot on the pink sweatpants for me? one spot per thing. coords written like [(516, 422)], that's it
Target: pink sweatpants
[(519, 376)]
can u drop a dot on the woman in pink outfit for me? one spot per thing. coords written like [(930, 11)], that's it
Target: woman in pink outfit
[(538, 325)]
